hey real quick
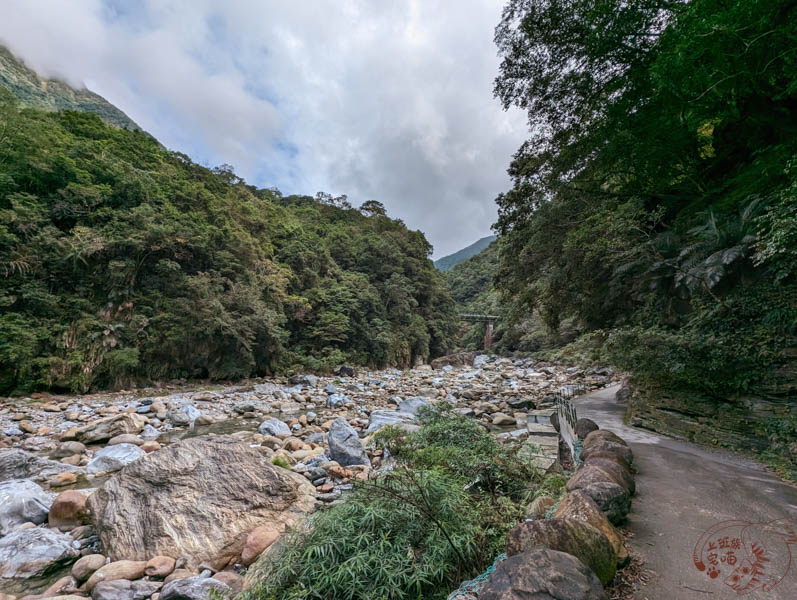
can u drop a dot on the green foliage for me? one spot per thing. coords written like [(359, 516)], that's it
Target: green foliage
[(122, 261), (439, 516), (280, 462), (655, 201), (409, 536), (463, 447)]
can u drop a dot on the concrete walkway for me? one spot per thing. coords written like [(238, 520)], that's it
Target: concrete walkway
[(682, 490)]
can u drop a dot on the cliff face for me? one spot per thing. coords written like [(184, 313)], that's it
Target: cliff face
[(50, 94), (764, 423)]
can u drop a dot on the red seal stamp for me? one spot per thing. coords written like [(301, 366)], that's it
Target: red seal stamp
[(746, 556)]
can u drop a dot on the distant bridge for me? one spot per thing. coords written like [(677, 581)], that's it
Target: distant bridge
[(489, 319)]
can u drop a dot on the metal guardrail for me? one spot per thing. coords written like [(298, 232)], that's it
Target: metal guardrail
[(474, 318)]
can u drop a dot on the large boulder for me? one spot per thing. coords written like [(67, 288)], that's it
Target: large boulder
[(18, 464), (542, 574), (575, 537), (345, 446), (22, 501), (606, 448), (460, 359), (590, 473), (194, 588), (602, 435), (579, 506), (114, 458), (274, 427), (34, 553), (104, 429), (613, 500), (584, 427), (617, 467), (197, 498), (382, 418), (412, 405)]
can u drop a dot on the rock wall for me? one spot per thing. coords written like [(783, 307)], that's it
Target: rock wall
[(764, 423)]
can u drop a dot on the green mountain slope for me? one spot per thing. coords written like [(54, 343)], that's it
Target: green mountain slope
[(121, 261), (471, 282), (448, 262), (49, 94)]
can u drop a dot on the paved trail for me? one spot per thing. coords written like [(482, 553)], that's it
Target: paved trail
[(682, 490)]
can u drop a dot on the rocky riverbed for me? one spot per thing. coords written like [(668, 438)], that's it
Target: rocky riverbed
[(172, 492)]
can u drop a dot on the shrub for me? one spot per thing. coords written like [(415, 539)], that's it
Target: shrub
[(408, 535)]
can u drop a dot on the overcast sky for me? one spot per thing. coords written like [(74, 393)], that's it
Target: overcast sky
[(388, 100)]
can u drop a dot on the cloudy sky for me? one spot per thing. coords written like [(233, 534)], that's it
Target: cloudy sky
[(388, 100)]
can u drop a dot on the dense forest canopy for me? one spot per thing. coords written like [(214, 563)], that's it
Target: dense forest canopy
[(122, 261), (656, 198)]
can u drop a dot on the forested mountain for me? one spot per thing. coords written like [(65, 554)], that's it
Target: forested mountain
[(656, 201), (449, 262), (122, 261), (49, 94)]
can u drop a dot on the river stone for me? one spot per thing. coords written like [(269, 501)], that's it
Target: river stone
[(589, 473), (22, 501), (611, 498), (617, 468), (412, 405), (18, 464), (345, 446), (542, 574), (611, 449), (34, 552), (86, 565), (575, 537), (381, 418), (124, 589), (584, 427), (578, 505), (308, 380), (113, 458), (274, 427), (602, 435), (198, 499), (65, 449), (194, 588), (121, 569), (104, 429)]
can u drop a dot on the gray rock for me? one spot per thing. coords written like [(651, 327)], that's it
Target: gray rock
[(570, 535), (584, 427), (178, 418), (193, 588), (192, 412), (149, 433), (18, 464), (308, 380), (22, 501), (336, 400), (35, 552), (611, 498), (381, 418), (104, 429), (196, 498), (65, 449), (481, 360), (330, 389), (114, 458), (542, 574), (345, 446), (123, 589), (411, 405), (346, 371), (13, 431), (274, 427)]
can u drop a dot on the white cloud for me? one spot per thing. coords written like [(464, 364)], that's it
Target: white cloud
[(378, 100)]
